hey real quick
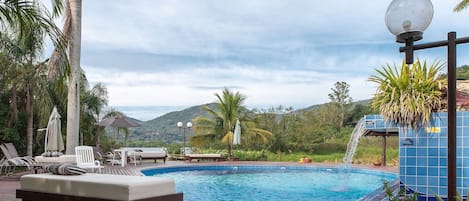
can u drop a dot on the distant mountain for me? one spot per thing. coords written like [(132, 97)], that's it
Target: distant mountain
[(360, 102), (164, 128)]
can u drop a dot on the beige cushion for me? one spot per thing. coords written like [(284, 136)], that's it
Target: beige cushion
[(204, 155), (106, 186), (60, 159), (150, 154)]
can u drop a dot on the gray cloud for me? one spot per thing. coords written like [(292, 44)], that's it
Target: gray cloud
[(274, 47)]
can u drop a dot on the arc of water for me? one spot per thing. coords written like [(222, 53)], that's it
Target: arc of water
[(357, 132)]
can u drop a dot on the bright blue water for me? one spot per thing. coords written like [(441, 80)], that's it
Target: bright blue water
[(222, 183)]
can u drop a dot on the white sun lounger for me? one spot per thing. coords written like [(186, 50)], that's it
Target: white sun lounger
[(94, 187)]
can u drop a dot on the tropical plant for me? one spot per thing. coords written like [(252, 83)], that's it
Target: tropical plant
[(461, 6), (407, 96), (222, 122), (93, 101)]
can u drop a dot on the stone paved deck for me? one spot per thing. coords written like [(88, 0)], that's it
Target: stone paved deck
[(8, 185)]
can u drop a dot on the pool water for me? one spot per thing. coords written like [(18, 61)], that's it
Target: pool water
[(272, 183)]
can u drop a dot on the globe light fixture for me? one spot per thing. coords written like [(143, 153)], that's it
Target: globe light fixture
[(407, 20), (181, 127)]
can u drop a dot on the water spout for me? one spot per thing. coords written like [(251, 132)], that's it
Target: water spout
[(357, 132)]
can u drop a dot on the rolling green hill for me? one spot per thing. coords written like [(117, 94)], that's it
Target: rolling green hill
[(164, 127)]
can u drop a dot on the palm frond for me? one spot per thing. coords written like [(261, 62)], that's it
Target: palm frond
[(461, 5)]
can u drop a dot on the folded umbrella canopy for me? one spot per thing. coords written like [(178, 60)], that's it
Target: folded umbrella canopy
[(54, 140), (237, 133)]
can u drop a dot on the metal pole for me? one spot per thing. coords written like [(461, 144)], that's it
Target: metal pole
[(184, 142), (451, 116)]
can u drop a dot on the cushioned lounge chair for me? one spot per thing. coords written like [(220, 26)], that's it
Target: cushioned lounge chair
[(11, 160), (214, 157)]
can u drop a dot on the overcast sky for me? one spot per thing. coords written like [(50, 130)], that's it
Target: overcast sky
[(276, 52)]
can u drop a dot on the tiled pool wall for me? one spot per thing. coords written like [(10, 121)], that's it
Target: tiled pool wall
[(423, 154)]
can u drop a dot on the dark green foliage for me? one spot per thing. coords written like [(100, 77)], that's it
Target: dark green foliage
[(462, 73)]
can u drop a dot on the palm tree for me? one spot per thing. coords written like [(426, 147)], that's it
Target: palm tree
[(409, 95), (59, 63), (24, 52), (221, 125), (461, 6), (93, 101)]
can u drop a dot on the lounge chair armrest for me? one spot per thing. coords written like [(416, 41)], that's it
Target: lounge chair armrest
[(97, 163)]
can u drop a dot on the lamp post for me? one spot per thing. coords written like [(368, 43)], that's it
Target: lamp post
[(407, 19), (181, 126)]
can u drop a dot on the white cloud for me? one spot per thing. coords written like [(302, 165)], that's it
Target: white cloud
[(177, 52)]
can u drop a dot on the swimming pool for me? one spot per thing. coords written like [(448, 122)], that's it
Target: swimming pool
[(242, 182)]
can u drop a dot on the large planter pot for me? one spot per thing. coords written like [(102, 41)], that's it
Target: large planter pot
[(377, 163)]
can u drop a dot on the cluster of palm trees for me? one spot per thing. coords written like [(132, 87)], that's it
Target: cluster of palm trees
[(26, 25)]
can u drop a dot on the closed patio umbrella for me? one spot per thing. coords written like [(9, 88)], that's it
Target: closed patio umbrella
[(237, 133), (54, 140)]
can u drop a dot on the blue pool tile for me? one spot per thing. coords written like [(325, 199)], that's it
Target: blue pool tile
[(443, 171), (465, 182), (464, 161), (433, 171), (459, 142), (459, 171), (422, 161), (459, 132), (444, 132), (411, 180), (411, 161), (433, 142), (465, 121), (465, 152), (443, 152), (458, 121), (443, 161), (421, 142), (422, 181), (433, 162), (422, 151), (411, 171), (422, 171), (465, 172), (433, 152), (443, 181), (411, 152), (444, 142), (433, 181)]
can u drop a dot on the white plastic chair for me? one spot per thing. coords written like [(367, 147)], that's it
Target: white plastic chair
[(85, 158)]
